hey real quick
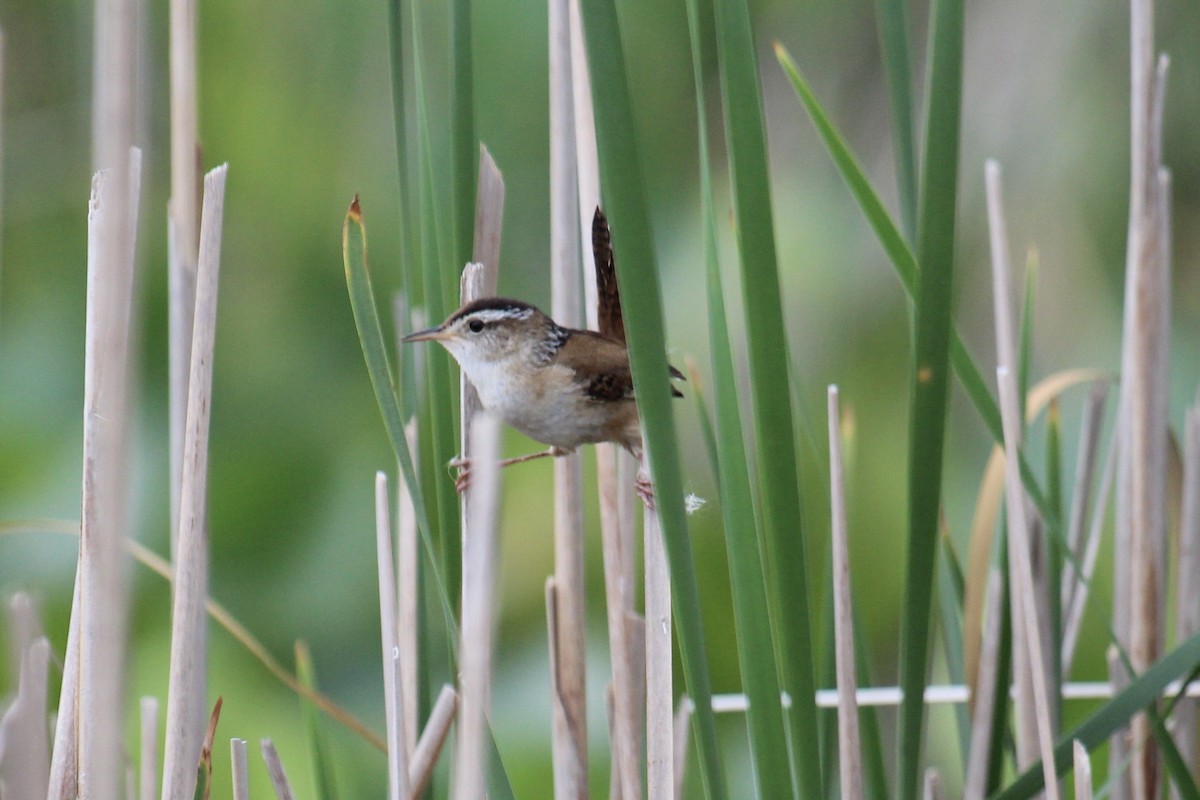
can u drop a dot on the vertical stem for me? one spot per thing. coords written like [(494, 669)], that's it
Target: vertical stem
[(850, 749), (187, 688), (849, 744), (478, 612), (397, 767), (660, 748), (570, 702), (183, 217), (148, 759)]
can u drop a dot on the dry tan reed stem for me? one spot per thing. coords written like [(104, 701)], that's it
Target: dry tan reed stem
[(1073, 614), (1144, 368), (683, 730), (23, 628), (569, 706), (397, 767), (238, 631), (1187, 608), (614, 469), (479, 279), (1085, 470), (1118, 743), (849, 744), (587, 159), (403, 746), (279, 779), (239, 769), (182, 233), (24, 750), (408, 556), (489, 219), (1143, 389), (1083, 771), (148, 759), (984, 694), (470, 287), (426, 752), (64, 755), (932, 788), (1026, 733), (107, 368), (1020, 564), (186, 695), (625, 639), (478, 610), (660, 748)]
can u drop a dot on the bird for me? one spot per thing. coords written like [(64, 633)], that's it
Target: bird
[(563, 387)]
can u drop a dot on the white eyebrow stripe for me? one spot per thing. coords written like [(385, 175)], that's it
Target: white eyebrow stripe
[(500, 314)]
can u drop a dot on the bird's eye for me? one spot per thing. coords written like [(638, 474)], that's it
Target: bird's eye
[(476, 325)]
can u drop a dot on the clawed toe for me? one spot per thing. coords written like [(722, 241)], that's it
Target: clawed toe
[(463, 479), (645, 490)]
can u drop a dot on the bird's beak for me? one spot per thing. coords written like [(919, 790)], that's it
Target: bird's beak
[(429, 334)]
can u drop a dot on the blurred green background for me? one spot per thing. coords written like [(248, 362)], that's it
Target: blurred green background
[(296, 97)]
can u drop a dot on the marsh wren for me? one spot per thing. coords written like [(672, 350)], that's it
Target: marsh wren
[(560, 386)]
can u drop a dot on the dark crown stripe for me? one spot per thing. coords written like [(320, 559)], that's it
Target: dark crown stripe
[(500, 304)]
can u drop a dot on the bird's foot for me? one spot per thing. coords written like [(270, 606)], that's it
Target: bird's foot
[(644, 489), (463, 477)]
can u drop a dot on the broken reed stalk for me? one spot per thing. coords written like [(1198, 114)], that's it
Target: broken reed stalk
[(660, 748), (24, 628), (1083, 771), (187, 687), (849, 743), (183, 240), (478, 610), (569, 703), (112, 231), (239, 769), (479, 279), (1187, 600), (1020, 564), (24, 749), (279, 779), (397, 766), (148, 750)]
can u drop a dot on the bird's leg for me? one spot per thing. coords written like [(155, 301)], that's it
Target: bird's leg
[(463, 464), (553, 452)]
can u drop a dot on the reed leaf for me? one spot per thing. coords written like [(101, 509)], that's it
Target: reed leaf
[(905, 263), (764, 717), (466, 146), (930, 384), (893, 37), (637, 276), (318, 743), (370, 335), (782, 522)]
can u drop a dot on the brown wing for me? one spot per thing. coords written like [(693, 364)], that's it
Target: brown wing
[(602, 366), (608, 298)]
